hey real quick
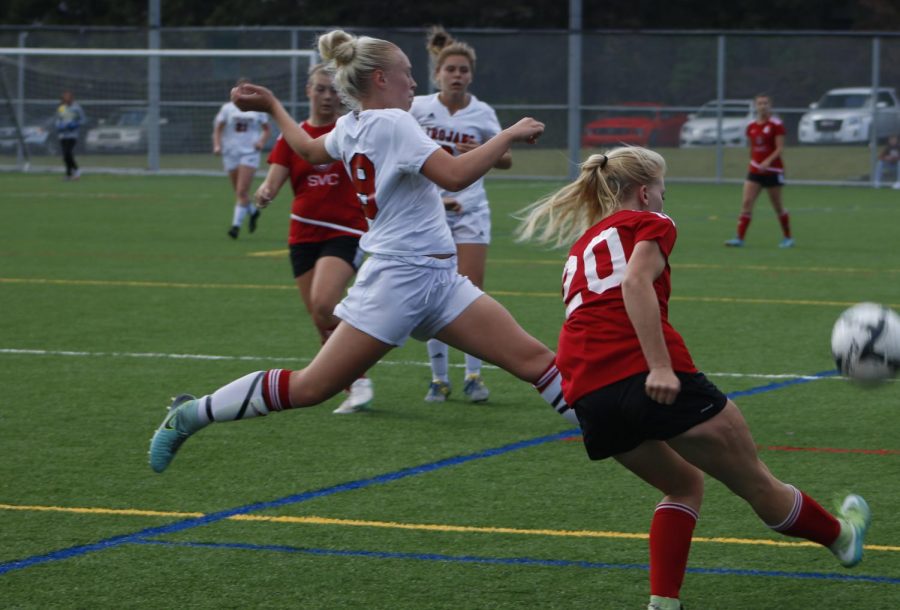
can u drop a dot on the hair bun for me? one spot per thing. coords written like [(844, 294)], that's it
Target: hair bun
[(337, 46)]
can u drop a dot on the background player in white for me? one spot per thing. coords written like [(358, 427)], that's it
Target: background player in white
[(327, 221), (631, 380), (459, 122), (68, 120), (409, 285), (239, 136)]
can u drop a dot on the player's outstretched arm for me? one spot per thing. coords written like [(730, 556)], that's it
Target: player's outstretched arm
[(254, 97), (456, 173)]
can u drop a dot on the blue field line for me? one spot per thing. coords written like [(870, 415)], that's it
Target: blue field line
[(783, 384), (526, 561), (193, 522)]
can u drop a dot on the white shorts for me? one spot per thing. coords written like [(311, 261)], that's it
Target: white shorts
[(471, 227), (394, 298), (231, 160)]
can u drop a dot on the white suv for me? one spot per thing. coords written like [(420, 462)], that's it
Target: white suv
[(845, 115), (702, 126)]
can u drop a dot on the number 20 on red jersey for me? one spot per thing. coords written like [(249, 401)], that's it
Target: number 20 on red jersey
[(592, 281)]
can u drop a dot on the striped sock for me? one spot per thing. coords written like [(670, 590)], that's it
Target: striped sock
[(807, 519), (549, 386), (670, 542), (252, 395)]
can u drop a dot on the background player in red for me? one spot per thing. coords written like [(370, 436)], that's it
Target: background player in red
[(327, 221), (765, 136), (631, 380)]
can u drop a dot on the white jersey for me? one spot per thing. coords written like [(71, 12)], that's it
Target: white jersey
[(242, 129), (383, 152), (477, 122)]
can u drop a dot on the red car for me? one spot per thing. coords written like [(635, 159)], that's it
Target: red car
[(639, 123)]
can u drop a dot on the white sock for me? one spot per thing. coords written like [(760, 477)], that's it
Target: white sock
[(550, 388), (239, 212), (240, 399), (439, 353), (473, 365)]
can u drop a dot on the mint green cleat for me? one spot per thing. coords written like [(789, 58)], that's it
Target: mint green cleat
[(180, 422), (855, 518)]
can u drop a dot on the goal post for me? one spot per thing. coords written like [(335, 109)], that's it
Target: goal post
[(118, 92)]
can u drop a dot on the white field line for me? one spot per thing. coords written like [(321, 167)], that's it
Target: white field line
[(164, 356)]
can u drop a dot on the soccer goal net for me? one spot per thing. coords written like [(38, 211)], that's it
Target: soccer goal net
[(145, 109)]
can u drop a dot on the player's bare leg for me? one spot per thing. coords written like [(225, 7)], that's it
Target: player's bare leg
[(750, 193), (347, 355), (241, 179), (723, 447), (488, 331), (783, 217)]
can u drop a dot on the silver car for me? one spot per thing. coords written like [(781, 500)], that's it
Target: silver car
[(702, 127), (844, 116)]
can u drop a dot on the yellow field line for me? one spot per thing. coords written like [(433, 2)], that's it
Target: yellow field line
[(142, 284), (313, 520), (704, 266), (501, 293)]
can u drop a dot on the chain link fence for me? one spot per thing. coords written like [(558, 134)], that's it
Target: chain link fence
[(687, 94)]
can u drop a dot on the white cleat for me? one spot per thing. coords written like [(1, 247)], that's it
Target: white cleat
[(359, 398)]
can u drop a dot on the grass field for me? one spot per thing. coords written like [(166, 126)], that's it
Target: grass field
[(118, 292)]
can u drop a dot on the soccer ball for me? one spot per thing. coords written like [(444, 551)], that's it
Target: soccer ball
[(865, 342)]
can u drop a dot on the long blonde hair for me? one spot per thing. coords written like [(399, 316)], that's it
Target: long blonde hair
[(441, 45), (352, 60), (604, 182)]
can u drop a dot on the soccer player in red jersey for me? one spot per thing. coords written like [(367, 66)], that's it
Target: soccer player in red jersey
[(630, 378), (327, 221), (765, 136)]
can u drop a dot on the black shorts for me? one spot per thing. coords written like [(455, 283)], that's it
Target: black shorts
[(767, 180), (345, 247), (619, 417)]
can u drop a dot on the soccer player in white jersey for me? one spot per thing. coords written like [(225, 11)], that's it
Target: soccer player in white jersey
[(239, 136), (409, 285), (458, 121)]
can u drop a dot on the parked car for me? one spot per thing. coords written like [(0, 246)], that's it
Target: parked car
[(701, 129), (40, 137), (845, 115), (125, 131), (642, 124)]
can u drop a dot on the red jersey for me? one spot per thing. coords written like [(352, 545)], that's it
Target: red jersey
[(761, 137), (325, 203), (597, 344)]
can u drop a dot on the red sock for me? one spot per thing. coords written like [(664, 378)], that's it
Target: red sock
[(785, 220), (809, 520), (743, 223), (670, 542), (276, 389)]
